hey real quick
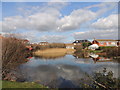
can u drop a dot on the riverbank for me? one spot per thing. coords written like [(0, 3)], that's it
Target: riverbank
[(53, 52), (10, 84)]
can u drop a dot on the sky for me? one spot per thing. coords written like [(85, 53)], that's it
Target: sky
[(60, 21)]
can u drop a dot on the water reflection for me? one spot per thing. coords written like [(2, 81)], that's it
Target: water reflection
[(97, 58), (62, 75), (66, 71), (49, 57)]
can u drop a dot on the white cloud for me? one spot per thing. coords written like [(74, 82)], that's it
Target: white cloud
[(53, 38), (110, 22), (75, 19), (48, 18), (14, 23), (98, 34)]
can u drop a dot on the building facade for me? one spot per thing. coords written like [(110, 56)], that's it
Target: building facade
[(106, 42), (69, 46), (43, 43)]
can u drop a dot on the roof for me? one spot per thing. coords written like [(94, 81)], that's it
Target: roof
[(25, 40), (106, 40), (43, 42), (95, 41), (80, 41)]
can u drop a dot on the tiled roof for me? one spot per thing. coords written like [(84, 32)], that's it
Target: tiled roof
[(106, 40)]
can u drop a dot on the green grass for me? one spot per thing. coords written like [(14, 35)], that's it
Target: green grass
[(9, 84), (95, 51)]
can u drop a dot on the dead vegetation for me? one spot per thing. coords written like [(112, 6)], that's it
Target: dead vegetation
[(52, 52), (13, 54)]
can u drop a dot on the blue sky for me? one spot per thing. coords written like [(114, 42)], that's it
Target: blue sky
[(61, 21)]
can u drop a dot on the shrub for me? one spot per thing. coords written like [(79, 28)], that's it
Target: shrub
[(78, 48), (105, 47), (102, 80), (106, 79), (13, 53), (86, 44), (112, 51)]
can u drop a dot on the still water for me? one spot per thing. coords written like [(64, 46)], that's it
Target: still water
[(63, 72)]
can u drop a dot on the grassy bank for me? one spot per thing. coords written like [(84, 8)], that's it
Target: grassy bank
[(9, 84), (95, 51), (53, 52)]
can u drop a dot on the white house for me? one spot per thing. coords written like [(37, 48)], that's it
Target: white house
[(70, 46), (93, 46)]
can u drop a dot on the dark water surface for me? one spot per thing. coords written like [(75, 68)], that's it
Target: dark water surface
[(63, 72)]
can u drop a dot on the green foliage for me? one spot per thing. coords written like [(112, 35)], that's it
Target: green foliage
[(95, 51), (105, 47), (112, 52), (78, 48), (102, 80), (86, 44), (106, 79)]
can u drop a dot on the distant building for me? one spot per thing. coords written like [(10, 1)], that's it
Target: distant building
[(93, 46), (1, 36), (70, 46), (79, 42), (43, 43), (106, 42), (25, 41)]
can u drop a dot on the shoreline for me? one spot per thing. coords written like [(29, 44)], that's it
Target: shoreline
[(53, 52)]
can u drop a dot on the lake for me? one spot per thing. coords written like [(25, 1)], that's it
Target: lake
[(65, 71)]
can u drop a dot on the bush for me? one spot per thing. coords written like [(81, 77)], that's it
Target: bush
[(102, 80), (78, 48), (112, 52), (86, 44), (105, 47), (106, 79), (13, 54)]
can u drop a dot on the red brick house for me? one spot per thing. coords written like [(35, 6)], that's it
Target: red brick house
[(106, 42)]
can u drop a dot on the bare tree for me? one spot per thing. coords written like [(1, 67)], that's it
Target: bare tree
[(13, 53)]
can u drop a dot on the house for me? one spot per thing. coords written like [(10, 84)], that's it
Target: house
[(93, 46), (1, 36), (43, 43), (79, 42), (106, 42), (25, 41), (70, 46), (29, 48)]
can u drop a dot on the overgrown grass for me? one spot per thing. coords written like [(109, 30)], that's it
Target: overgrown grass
[(53, 52), (48, 46), (9, 84)]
